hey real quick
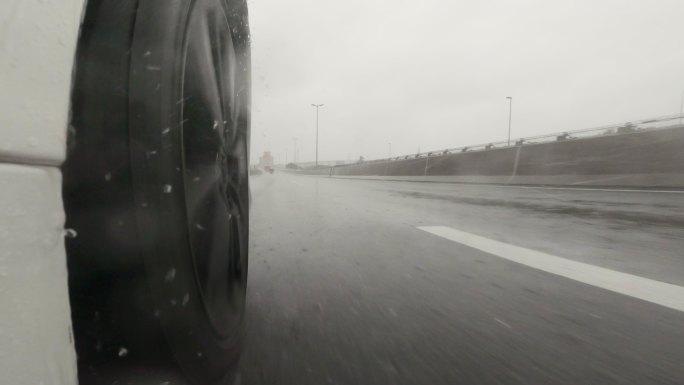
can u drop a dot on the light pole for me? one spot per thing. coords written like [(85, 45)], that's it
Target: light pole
[(317, 107), (510, 114), (295, 150)]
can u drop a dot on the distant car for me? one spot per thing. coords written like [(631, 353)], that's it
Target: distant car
[(268, 169), (145, 135), (255, 171)]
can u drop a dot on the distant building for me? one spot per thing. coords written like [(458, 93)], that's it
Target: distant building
[(266, 160)]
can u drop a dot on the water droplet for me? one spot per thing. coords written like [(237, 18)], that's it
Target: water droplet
[(167, 188), (144, 204), (166, 131), (170, 275), (123, 352), (70, 233), (156, 313), (147, 53), (108, 176), (173, 302), (153, 68), (98, 347), (199, 354), (216, 124), (186, 299), (199, 227), (196, 179)]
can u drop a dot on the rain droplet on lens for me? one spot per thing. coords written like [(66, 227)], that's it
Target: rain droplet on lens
[(170, 275), (186, 299), (199, 227), (166, 131), (167, 188), (216, 124), (173, 302), (108, 176), (123, 352), (70, 233)]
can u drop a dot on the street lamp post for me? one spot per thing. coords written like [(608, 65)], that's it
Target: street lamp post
[(510, 114), (317, 107)]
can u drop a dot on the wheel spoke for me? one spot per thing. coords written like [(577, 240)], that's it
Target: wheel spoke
[(201, 83), (226, 69)]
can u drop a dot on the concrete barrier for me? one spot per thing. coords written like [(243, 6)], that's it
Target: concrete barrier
[(490, 163), (646, 158)]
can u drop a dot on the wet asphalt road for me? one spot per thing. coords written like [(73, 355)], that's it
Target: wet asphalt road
[(344, 289)]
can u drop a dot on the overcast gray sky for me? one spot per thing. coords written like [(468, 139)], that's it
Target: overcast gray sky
[(435, 73)]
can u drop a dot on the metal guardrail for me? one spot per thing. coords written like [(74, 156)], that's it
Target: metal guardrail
[(608, 130)]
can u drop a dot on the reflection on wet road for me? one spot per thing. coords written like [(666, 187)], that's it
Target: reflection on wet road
[(345, 287)]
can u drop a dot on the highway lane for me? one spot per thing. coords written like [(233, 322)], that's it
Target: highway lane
[(344, 287)]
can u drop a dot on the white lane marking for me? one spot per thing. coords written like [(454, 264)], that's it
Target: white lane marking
[(503, 323), (661, 293)]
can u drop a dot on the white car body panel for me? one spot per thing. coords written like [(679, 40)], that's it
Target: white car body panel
[(36, 345), (37, 47)]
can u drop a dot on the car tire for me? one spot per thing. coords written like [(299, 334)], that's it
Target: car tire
[(156, 183)]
